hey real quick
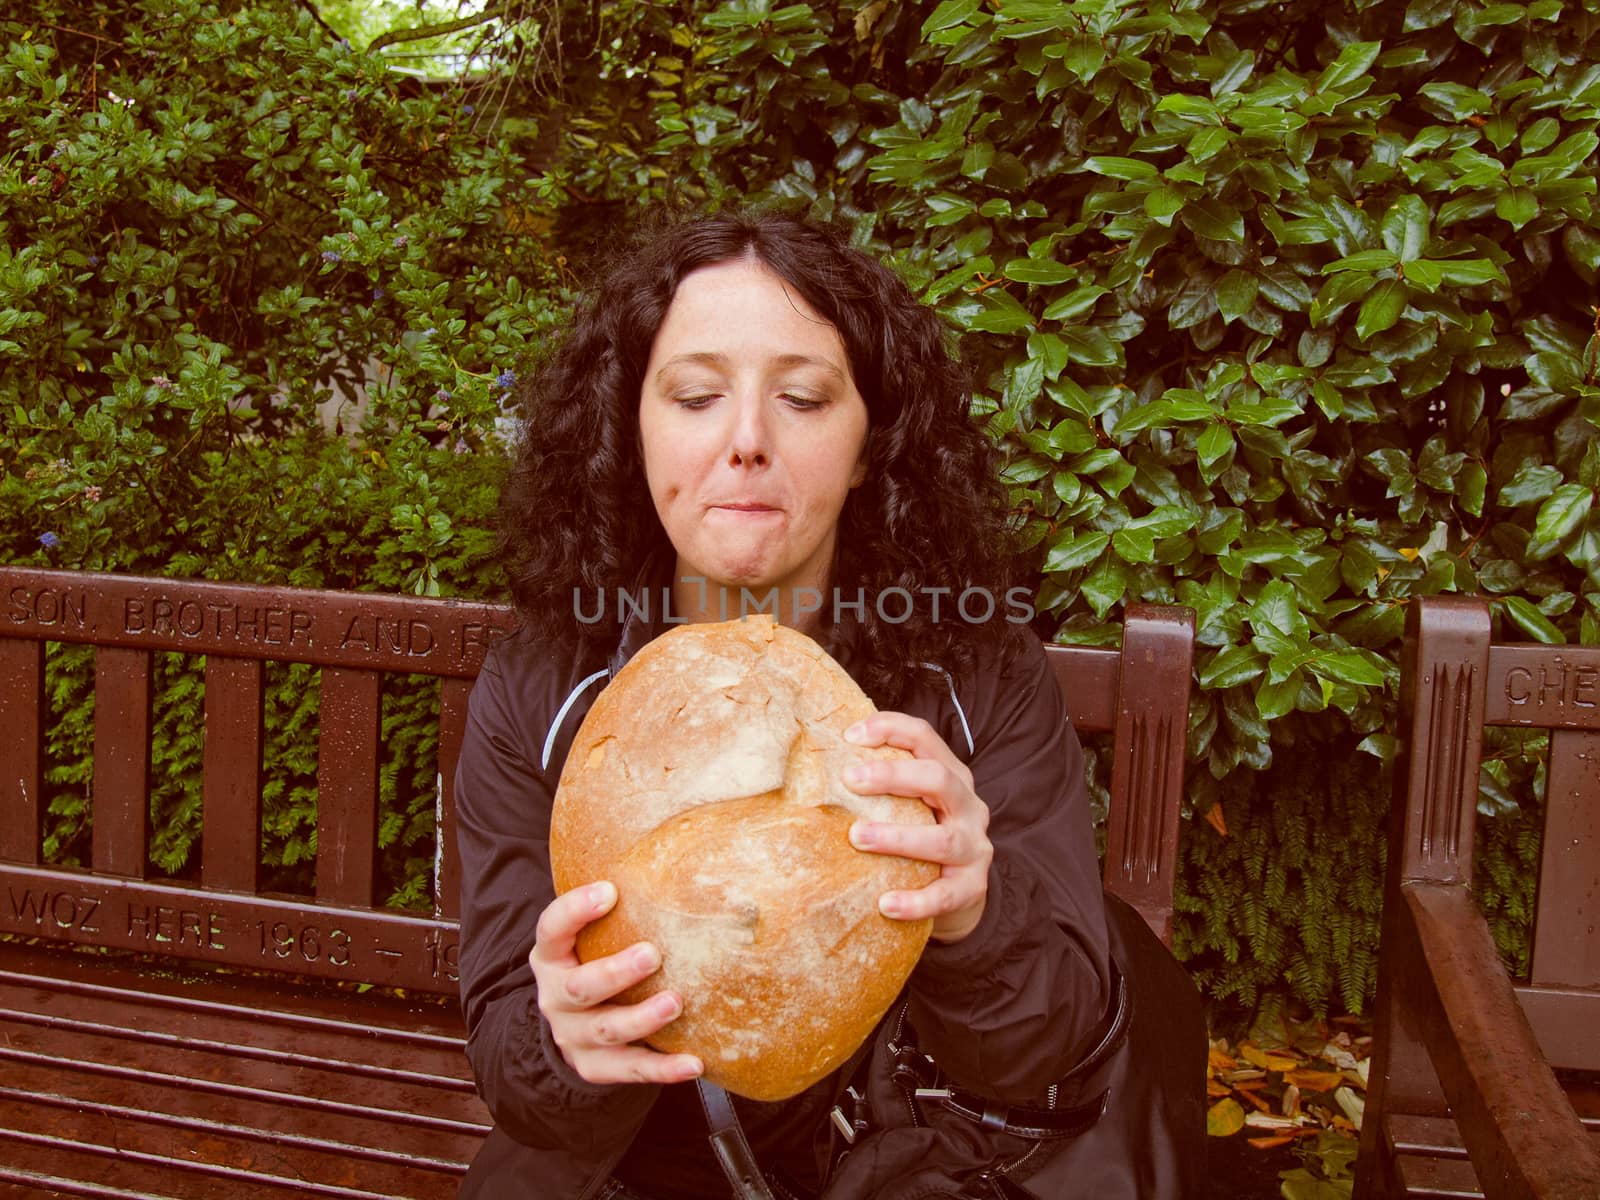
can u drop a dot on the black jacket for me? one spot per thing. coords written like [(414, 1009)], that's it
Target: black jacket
[(1006, 1012)]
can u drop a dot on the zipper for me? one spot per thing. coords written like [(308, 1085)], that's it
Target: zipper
[(895, 1043)]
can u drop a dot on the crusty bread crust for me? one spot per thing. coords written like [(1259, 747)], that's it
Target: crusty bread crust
[(706, 784)]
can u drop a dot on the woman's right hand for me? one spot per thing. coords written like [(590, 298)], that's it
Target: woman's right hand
[(595, 1037)]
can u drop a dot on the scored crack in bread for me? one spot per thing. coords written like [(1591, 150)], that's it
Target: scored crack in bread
[(706, 783)]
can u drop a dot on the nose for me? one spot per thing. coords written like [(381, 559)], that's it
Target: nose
[(748, 444)]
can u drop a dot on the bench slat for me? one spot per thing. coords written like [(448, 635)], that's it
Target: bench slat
[(347, 786), (1566, 948), (453, 695), (21, 749), (1087, 677), (177, 1174), (121, 807), (231, 833), (384, 947), (224, 1149)]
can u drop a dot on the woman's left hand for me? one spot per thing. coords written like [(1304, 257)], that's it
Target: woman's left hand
[(958, 843)]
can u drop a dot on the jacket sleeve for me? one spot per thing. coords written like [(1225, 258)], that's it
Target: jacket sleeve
[(503, 800), (1016, 1004)]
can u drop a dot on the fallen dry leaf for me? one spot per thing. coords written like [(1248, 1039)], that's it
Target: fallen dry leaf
[(1310, 1080), (1265, 1060), (1224, 1118)]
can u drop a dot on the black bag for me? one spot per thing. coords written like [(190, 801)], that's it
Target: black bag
[(1147, 1142)]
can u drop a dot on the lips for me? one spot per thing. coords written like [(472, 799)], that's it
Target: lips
[(746, 506)]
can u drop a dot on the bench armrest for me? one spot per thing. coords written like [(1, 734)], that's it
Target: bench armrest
[(1519, 1128)]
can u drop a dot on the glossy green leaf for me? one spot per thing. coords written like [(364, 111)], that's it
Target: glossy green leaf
[(1382, 309), (1347, 666), (1074, 550), (1075, 303), (1405, 228), (1236, 292), (1037, 270), (1231, 667), (949, 13), (1363, 260), (1119, 168), (1517, 205), (1562, 513), (1533, 622), (1533, 481), (1353, 61), (1215, 220)]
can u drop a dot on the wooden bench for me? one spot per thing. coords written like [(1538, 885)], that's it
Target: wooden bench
[(204, 1037), (1462, 1099)]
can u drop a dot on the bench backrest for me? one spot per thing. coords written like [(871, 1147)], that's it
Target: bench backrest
[(1456, 683), (1139, 694), (354, 638)]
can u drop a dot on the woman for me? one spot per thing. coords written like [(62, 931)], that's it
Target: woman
[(747, 403)]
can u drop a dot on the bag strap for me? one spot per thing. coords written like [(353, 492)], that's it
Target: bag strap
[(919, 1078), (729, 1145)]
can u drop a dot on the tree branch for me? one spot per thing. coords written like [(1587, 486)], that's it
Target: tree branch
[(316, 16), (427, 31)]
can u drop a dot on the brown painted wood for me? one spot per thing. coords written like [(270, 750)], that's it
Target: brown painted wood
[(1457, 1046), (1438, 1178), (1566, 931), (231, 833), (270, 933), (116, 1079), (1087, 677), (347, 786), (1524, 1137), (1548, 687), (1147, 762), (354, 629), (1565, 1020), (453, 695), (22, 723), (121, 797), (223, 1085)]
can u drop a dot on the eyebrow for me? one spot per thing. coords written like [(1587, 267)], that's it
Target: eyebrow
[(713, 359)]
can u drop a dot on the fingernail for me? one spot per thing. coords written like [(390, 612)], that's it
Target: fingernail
[(646, 958), (857, 733), (668, 1005), (603, 895), (860, 836), (698, 1067), (888, 905), (856, 774)]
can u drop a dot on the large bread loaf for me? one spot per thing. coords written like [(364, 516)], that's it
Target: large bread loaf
[(706, 784)]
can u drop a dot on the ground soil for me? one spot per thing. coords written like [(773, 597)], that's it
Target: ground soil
[(1236, 1170)]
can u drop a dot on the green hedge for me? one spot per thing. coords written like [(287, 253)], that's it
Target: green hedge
[(1285, 312)]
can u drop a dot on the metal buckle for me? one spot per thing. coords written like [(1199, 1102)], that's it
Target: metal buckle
[(853, 1126)]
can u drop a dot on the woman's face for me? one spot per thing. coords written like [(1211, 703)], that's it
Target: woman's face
[(752, 429)]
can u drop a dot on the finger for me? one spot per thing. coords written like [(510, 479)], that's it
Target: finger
[(946, 894), (619, 1024), (556, 937), (637, 1064), (932, 780), (889, 728), (948, 845), (597, 981)]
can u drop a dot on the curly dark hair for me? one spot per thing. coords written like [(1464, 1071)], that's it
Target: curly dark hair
[(576, 512)]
